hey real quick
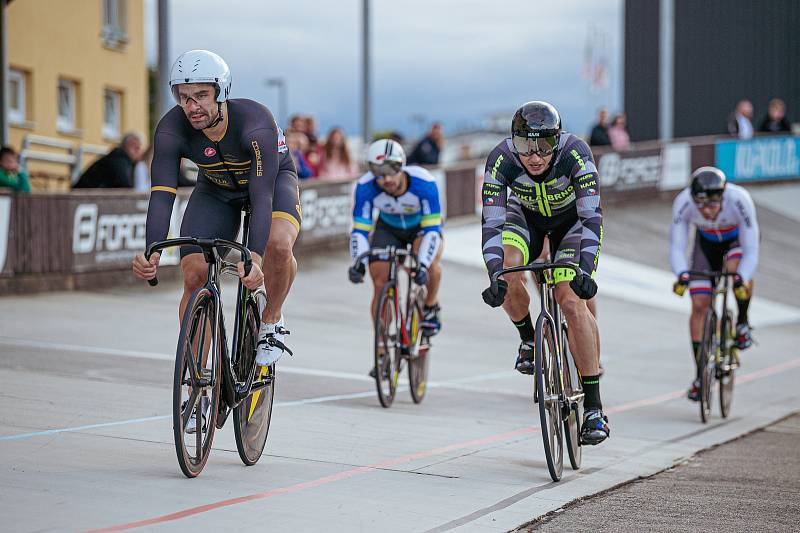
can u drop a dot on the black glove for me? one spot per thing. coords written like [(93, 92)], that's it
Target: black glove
[(494, 295), (584, 286), (356, 273), (421, 276)]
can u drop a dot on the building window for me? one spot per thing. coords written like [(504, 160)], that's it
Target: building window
[(112, 114), (114, 33), (67, 105), (16, 96)]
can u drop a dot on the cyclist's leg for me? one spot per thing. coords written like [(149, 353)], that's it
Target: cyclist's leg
[(434, 271), (383, 236), (521, 244), (732, 260), (280, 265)]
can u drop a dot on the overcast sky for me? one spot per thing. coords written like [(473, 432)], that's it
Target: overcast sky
[(453, 61)]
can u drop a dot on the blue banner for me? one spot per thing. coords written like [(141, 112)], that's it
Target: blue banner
[(764, 158)]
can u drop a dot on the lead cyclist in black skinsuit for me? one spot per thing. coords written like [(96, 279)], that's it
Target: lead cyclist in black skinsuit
[(554, 188), (242, 158)]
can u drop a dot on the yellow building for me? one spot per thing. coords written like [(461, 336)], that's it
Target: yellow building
[(77, 75)]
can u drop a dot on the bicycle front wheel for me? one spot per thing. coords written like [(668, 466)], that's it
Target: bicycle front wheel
[(573, 390), (387, 345), (549, 398), (418, 355), (251, 417), (707, 351), (196, 384), (727, 366)]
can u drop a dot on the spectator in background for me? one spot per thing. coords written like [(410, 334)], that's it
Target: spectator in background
[(427, 150), (336, 160), (775, 121), (599, 134), (313, 151), (115, 169), (618, 133), (297, 123), (740, 122), (11, 177), (297, 143), (141, 171)]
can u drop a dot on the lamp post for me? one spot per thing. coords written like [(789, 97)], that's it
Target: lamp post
[(280, 83), (365, 96)]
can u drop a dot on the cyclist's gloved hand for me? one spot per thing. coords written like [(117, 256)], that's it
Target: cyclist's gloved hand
[(495, 294), (740, 288), (584, 286), (421, 276), (679, 287), (356, 273)]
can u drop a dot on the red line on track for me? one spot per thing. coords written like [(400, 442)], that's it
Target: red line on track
[(414, 456)]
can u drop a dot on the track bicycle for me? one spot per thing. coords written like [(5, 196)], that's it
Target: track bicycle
[(557, 387), (209, 381), (399, 336), (718, 355)]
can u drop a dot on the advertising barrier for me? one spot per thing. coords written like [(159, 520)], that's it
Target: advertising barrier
[(762, 158)]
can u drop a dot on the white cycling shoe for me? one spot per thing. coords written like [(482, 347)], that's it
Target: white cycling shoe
[(191, 425), (270, 343)]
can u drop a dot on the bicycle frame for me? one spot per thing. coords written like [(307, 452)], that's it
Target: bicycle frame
[(720, 285), (233, 392)]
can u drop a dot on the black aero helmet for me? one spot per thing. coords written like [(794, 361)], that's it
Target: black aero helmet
[(536, 129), (707, 183)]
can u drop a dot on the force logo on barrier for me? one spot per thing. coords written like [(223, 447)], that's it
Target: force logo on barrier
[(623, 173), (110, 236), (325, 214)]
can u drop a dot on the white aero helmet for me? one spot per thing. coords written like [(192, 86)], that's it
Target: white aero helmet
[(201, 66), (385, 157)]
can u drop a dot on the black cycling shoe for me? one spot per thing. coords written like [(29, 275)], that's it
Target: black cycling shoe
[(525, 361), (743, 339), (694, 391), (387, 372), (431, 324), (595, 427)]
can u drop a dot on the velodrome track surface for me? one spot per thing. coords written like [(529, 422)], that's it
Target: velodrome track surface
[(86, 400)]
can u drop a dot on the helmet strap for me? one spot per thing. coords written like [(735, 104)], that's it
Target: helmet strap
[(219, 118)]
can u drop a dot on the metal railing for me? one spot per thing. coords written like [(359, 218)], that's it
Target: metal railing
[(69, 154)]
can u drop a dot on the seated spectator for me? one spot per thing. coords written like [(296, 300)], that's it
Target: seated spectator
[(11, 177), (740, 122), (336, 160), (297, 143), (618, 133), (775, 121), (599, 134), (115, 169), (426, 152)]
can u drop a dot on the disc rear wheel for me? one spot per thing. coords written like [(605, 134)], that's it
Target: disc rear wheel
[(727, 368)]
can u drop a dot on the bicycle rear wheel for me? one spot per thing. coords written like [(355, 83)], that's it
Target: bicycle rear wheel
[(573, 390), (387, 345), (727, 367), (548, 389), (707, 348), (251, 417), (199, 381), (418, 355)]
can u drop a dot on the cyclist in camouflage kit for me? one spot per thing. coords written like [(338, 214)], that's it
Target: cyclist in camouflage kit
[(554, 191)]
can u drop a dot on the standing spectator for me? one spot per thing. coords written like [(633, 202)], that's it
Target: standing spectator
[(115, 169), (336, 161), (297, 143), (775, 121), (618, 133), (11, 176), (599, 134), (740, 122), (297, 123), (427, 150)]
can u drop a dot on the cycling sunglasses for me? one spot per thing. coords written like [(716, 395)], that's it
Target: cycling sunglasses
[(541, 146), (387, 168), (708, 200)]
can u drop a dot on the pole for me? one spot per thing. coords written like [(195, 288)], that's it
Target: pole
[(666, 86), (283, 105), (165, 100), (365, 72), (4, 138)]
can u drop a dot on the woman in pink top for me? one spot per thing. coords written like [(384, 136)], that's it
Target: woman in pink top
[(618, 133), (336, 161)]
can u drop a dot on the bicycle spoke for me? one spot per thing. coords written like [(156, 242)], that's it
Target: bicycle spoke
[(191, 403)]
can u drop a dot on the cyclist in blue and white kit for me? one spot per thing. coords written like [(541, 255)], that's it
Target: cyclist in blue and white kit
[(407, 200)]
